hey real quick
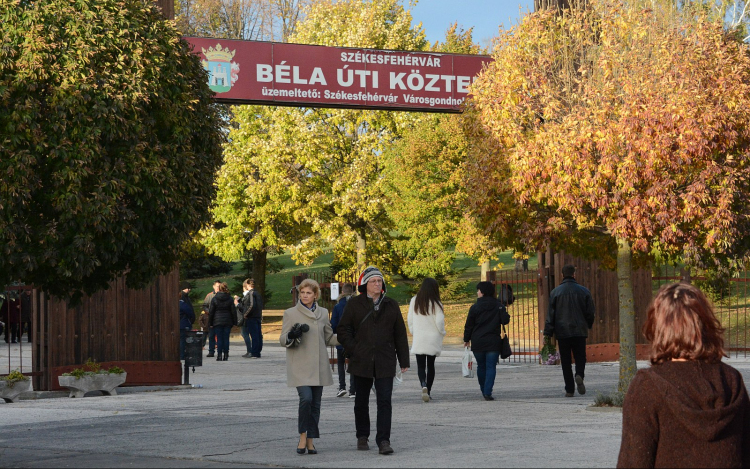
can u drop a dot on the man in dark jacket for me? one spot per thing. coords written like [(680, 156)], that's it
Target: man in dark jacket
[(206, 304), (187, 316), (338, 311), (254, 320), (570, 316), (373, 333)]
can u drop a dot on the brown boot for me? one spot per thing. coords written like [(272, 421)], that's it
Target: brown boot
[(385, 447), (362, 444)]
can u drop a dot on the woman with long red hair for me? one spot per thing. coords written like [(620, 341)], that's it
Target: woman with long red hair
[(688, 409)]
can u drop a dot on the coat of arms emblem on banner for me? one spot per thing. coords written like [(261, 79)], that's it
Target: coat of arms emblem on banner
[(223, 73)]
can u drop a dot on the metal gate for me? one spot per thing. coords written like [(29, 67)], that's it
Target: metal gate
[(524, 327)]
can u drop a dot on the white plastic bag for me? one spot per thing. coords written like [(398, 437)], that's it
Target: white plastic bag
[(399, 378), (467, 365)]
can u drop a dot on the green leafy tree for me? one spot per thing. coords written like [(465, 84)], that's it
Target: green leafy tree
[(108, 144), (628, 122)]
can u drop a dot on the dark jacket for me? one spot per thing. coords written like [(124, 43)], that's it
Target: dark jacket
[(686, 414), (483, 325), (373, 345), (187, 314), (256, 312), (571, 311), (25, 307), (338, 311), (222, 311), (10, 312), (245, 304)]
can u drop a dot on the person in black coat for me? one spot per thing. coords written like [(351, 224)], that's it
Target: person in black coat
[(482, 334), (373, 333), (187, 316), (222, 316), (569, 318)]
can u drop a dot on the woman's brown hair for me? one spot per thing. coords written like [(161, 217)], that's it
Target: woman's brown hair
[(681, 324), (429, 293), (224, 287)]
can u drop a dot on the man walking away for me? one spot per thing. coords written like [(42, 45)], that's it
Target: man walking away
[(206, 306), (338, 311), (570, 316), (373, 334), (187, 316)]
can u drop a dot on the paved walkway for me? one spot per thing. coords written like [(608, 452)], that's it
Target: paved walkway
[(244, 415)]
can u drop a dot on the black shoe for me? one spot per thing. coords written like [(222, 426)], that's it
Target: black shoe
[(488, 398), (362, 444), (579, 384), (312, 451), (569, 394), (210, 355), (385, 447), (301, 450), (218, 357), (226, 356)]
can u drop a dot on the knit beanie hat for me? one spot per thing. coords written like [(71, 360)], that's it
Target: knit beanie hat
[(367, 274)]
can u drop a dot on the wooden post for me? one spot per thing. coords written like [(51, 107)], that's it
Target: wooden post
[(167, 8)]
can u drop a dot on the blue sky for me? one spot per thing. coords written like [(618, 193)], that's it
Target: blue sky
[(485, 15)]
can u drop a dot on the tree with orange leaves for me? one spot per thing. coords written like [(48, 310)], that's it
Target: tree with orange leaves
[(628, 124)]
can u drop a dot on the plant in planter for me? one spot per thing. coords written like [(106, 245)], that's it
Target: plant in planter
[(91, 377), (13, 385)]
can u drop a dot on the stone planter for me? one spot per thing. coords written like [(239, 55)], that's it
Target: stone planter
[(12, 394), (105, 382)]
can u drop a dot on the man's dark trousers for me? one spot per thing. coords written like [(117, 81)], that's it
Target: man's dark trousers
[(577, 345), (256, 336), (383, 392)]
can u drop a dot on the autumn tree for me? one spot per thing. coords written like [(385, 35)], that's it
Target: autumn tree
[(628, 122), (108, 147)]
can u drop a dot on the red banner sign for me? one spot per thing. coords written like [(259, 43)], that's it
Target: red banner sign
[(249, 72)]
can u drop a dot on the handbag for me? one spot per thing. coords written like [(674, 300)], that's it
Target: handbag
[(505, 350), (467, 368)]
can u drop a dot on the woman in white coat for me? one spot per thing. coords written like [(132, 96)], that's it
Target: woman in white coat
[(427, 326), (306, 331)]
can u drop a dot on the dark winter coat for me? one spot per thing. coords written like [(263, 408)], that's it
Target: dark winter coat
[(187, 314), (245, 304), (10, 312), (256, 312), (222, 311), (338, 311), (483, 325), (571, 311), (25, 307), (686, 414), (373, 345)]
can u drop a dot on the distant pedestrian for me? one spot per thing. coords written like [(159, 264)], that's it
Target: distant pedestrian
[(427, 326), (570, 316), (244, 305), (482, 334), (346, 292), (206, 306), (305, 332), (254, 320), (222, 316), (11, 314), (688, 409), (373, 333), (187, 316), (25, 315)]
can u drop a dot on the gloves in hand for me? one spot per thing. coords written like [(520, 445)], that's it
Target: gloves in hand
[(297, 330)]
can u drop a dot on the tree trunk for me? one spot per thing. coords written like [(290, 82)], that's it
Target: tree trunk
[(361, 252), (167, 8), (628, 365), (260, 257), (485, 269)]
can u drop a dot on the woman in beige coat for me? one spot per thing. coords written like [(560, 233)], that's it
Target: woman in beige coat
[(305, 333)]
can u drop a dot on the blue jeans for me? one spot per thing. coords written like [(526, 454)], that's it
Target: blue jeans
[(211, 340), (245, 333), (222, 338), (256, 335), (309, 410), (486, 370)]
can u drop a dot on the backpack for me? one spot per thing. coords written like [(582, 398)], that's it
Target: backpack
[(506, 295)]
